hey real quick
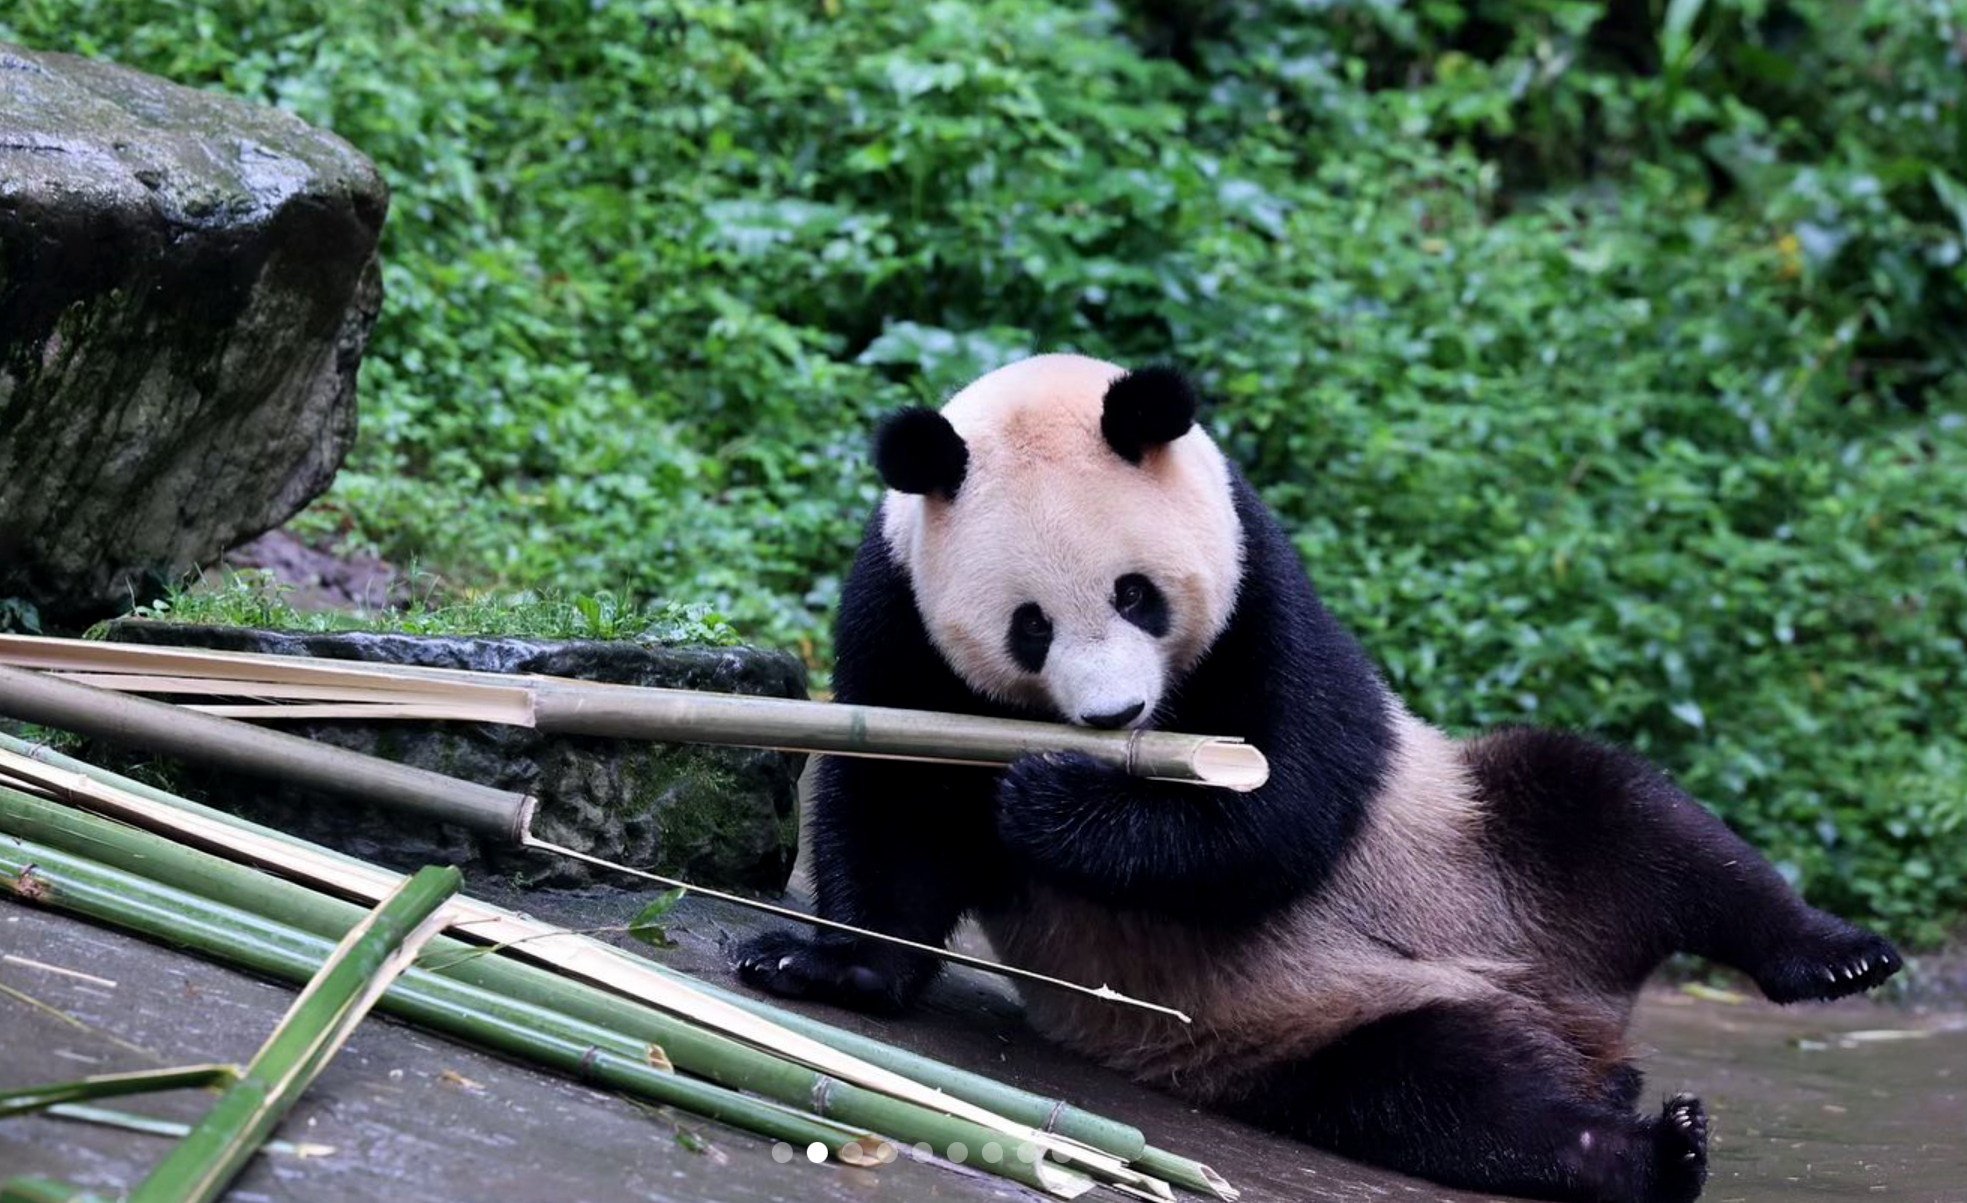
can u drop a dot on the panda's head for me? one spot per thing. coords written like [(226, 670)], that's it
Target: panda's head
[(1069, 532)]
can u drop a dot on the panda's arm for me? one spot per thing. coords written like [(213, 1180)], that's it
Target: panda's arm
[(893, 846)]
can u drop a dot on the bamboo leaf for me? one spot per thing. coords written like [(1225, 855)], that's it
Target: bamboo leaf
[(648, 925)]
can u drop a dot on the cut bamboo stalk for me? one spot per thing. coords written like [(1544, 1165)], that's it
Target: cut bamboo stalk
[(228, 884), (320, 1021), (573, 954), (160, 727), (1181, 1171), (564, 706), (108, 1086), (71, 882)]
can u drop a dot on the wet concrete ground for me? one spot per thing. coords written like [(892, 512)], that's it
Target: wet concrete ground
[(1850, 1102)]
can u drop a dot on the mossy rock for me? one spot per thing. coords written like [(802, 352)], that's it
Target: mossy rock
[(718, 816), (187, 285)]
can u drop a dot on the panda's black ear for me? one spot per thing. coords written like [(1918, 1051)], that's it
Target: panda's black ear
[(918, 451), (1147, 408)]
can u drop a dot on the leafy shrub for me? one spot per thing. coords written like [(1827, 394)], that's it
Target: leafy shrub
[(1605, 359)]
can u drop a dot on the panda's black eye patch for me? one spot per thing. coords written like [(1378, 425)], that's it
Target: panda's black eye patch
[(1030, 637), (1137, 600)]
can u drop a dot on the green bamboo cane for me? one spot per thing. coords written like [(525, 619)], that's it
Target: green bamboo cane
[(334, 1001), (57, 878), (74, 883), (324, 915), (1182, 1171), (1035, 1110), (694, 1048), (109, 1086)]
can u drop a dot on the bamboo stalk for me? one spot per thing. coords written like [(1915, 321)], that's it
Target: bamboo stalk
[(802, 1069), (499, 814), (70, 882), (584, 958), (313, 1030), (109, 1086), (227, 884), (565, 706), (160, 727)]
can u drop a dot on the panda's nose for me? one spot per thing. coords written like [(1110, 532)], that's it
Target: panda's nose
[(1119, 718)]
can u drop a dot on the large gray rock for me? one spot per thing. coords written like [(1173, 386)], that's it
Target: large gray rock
[(717, 816), (187, 283)]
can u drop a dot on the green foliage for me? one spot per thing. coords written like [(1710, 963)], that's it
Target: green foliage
[(651, 923), (257, 599), (1606, 359)]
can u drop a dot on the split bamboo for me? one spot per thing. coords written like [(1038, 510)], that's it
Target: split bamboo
[(108, 1086), (314, 1029)]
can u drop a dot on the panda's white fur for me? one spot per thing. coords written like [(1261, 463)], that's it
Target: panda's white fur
[(1033, 521)]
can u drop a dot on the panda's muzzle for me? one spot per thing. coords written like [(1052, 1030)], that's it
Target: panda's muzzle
[(1114, 719)]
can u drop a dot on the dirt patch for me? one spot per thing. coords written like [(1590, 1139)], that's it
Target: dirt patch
[(319, 580)]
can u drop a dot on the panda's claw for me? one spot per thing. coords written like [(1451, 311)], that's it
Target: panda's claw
[(1830, 960), (792, 966), (1680, 1149)]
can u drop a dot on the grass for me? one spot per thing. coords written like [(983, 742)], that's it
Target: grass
[(256, 598)]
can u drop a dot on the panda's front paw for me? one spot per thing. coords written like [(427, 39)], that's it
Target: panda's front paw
[(837, 972), (1040, 789), (1051, 806)]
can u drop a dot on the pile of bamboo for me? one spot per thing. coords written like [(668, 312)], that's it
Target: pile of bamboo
[(78, 838)]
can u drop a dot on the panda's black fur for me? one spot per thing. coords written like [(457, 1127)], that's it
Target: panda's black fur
[(1473, 1038)]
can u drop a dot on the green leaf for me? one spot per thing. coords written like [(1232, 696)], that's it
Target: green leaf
[(649, 926)]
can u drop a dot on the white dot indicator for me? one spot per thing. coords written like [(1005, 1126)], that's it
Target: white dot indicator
[(958, 1151), (816, 1152), (993, 1152), (782, 1153)]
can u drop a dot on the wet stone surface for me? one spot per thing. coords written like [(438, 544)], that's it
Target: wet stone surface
[(187, 285), (1851, 1102), (719, 817)]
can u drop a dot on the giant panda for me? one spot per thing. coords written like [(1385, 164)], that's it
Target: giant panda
[(1409, 949)]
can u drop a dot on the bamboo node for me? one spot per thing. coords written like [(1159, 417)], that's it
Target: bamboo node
[(1052, 1117), (27, 885)]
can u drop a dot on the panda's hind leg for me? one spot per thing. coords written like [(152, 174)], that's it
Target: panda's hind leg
[(1477, 1100), (1632, 869)]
